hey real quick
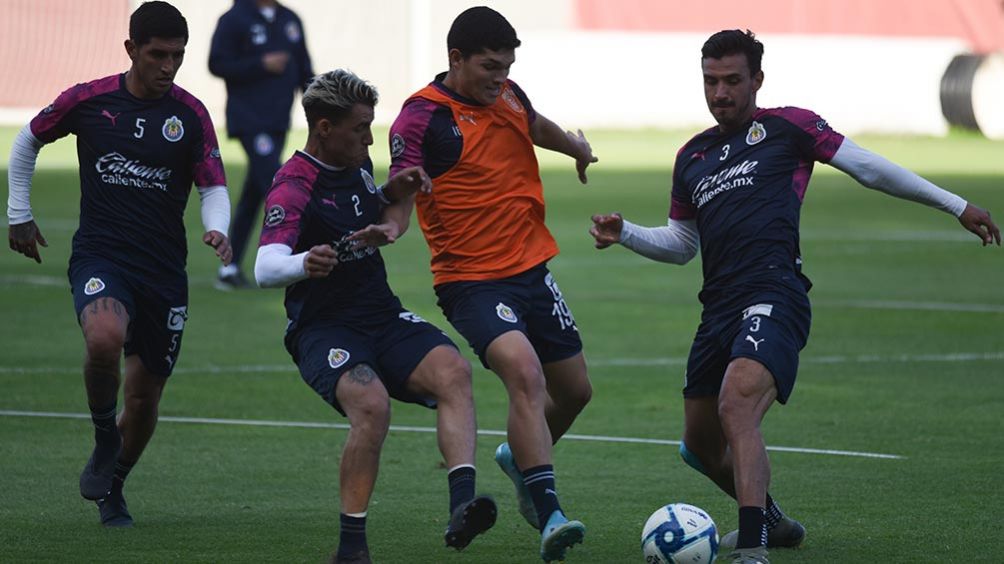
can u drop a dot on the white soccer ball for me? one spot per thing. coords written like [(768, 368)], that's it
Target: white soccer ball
[(679, 533)]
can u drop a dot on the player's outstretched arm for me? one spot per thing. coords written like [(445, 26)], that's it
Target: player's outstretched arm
[(22, 232), (977, 220), (676, 242), (276, 266), (24, 238), (874, 171), (546, 134), (394, 222), (399, 196), (215, 213)]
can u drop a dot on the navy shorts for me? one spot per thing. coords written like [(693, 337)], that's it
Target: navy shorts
[(325, 350), (769, 328), (157, 310), (529, 302)]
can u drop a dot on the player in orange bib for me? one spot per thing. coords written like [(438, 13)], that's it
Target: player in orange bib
[(473, 131)]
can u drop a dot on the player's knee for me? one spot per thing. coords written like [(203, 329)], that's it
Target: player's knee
[(691, 458), (104, 348), (370, 413), (526, 384), (141, 401), (735, 413), (573, 397), (454, 378), (581, 394)]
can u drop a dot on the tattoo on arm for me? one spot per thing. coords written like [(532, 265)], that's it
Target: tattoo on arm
[(361, 374)]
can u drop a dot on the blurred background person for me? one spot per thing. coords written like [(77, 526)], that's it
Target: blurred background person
[(258, 48)]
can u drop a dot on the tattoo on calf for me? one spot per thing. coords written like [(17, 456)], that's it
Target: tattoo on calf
[(361, 374)]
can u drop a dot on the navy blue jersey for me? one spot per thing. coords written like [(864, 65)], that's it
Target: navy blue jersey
[(258, 100), (745, 190), (138, 159), (313, 204)]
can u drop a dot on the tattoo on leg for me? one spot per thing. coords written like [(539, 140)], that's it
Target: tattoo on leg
[(102, 304), (361, 374)]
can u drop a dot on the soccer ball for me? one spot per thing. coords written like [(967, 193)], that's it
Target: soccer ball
[(679, 534)]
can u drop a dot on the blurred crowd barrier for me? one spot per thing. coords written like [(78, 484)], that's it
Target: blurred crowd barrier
[(894, 66)]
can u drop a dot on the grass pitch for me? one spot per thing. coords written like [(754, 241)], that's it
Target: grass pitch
[(906, 359)]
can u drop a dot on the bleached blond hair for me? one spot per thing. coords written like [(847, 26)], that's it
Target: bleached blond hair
[(331, 95)]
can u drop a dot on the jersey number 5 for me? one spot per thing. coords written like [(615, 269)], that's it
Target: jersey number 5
[(138, 134)]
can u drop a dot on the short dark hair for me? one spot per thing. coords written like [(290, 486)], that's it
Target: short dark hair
[(156, 19), (734, 42), (481, 29)]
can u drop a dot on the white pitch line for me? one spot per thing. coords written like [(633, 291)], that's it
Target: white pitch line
[(912, 306), (410, 429), (653, 361), (833, 359)]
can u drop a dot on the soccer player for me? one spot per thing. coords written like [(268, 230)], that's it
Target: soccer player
[(737, 191), (474, 132), (141, 143), (353, 342), (259, 50)]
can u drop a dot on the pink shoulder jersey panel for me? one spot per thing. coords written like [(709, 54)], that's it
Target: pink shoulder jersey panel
[(51, 123), (208, 170), (286, 201)]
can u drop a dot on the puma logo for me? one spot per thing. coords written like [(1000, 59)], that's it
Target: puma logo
[(108, 115), (756, 343)]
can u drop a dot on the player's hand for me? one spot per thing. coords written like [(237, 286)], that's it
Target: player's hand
[(406, 182), (319, 261), (24, 238), (585, 152), (275, 61), (978, 221), (375, 235), (607, 229), (221, 244)]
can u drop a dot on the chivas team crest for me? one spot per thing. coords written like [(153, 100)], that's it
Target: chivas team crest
[(93, 286), (505, 313), (173, 129), (510, 99), (756, 134), (368, 181), (337, 357)]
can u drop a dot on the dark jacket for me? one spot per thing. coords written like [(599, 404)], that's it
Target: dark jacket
[(256, 99)]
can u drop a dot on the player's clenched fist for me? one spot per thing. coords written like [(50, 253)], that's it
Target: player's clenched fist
[(319, 261)]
